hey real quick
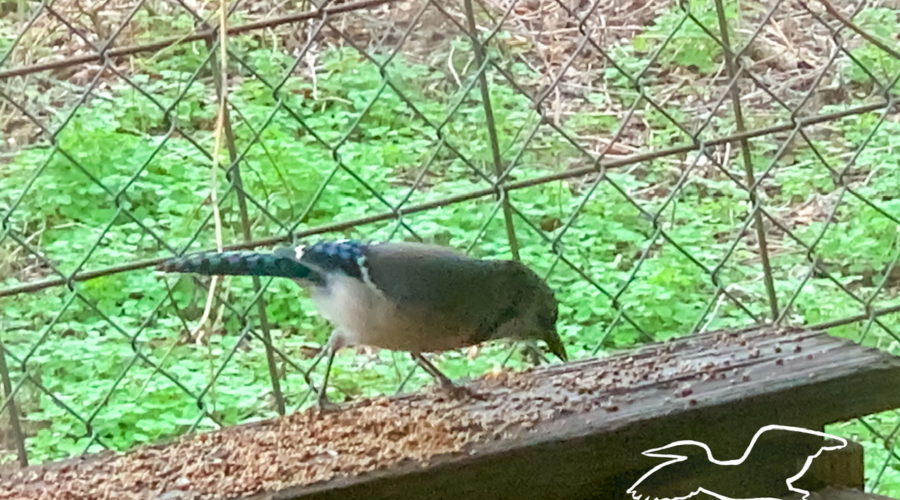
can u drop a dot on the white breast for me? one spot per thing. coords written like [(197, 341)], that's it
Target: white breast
[(360, 312), (364, 316)]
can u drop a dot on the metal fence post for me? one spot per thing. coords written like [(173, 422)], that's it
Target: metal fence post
[(478, 49), (748, 162)]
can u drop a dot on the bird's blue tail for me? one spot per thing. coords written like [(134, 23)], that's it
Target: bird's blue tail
[(281, 264)]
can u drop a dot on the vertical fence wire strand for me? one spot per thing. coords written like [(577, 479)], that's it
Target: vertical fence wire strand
[(732, 70), (12, 410), (491, 125), (234, 175)]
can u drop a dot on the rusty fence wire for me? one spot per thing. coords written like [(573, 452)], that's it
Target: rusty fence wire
[(672, 167)]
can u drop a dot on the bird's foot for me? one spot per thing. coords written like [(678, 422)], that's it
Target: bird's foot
[(459, 391), (326, 406), (533, 354)]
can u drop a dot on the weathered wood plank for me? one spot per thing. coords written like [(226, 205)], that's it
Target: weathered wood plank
[(735, 383), (556, 432)]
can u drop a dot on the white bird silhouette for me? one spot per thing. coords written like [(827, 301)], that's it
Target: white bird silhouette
[(682, 451)]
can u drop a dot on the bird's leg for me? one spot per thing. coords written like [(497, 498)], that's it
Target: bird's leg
[(443, 380), (324, 403), (433, 370), (334, 344)]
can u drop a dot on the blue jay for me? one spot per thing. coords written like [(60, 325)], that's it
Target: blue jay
[(402, 296)]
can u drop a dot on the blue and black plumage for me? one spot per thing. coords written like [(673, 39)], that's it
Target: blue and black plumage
[(403, 296), (237, 264), (314, 264)]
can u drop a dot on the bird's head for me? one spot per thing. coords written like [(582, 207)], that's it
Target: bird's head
[(535, 309)]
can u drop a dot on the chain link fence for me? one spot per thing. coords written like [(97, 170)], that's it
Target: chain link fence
[(671, 167)]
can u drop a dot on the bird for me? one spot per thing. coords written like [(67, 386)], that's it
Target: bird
[(401, 296), (777, 456)]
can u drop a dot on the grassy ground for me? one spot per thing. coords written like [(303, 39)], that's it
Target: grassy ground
[(130, 181)]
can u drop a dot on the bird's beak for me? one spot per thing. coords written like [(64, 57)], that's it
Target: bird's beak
[(555, 345)]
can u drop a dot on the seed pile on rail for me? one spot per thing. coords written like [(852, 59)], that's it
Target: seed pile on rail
[(309, 447)]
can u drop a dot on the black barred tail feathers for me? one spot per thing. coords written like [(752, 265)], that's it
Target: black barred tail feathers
[(279, 264)]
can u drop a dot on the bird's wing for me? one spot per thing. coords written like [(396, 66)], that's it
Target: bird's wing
[(431, 278), (327, 257)]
